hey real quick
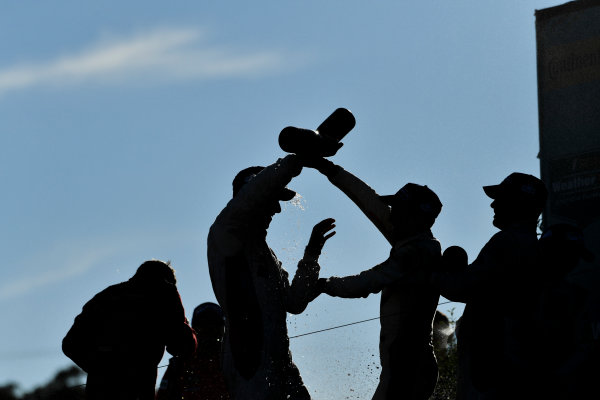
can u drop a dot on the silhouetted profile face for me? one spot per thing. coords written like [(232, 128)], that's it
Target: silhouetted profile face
[(518, 200), (265, 212), (505, 213)]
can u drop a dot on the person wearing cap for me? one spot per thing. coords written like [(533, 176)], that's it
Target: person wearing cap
[(568, 354), (199, 376), (253, 288), (121, 334), (498, 287), (408, 302)]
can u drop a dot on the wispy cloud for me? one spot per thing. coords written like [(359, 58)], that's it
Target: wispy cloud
[(56, 271), (73, 257), (161, 54)]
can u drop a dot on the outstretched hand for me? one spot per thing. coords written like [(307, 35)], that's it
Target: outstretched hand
[(320, 234)]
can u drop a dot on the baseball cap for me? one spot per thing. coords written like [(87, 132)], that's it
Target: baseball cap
[(247, 174), (520, 186), (423, 198)]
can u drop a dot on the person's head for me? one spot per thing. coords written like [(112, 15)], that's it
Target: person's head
[(518, 199), (155, 272), (414, 209), (208, 321), (272, 207), (562, 246), (454, 259)]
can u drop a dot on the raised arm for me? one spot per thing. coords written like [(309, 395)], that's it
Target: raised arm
[(231, 224), (359, 192), (300, 292)]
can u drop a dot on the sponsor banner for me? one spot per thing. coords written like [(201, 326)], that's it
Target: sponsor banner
[(574, 187), (568, 59)]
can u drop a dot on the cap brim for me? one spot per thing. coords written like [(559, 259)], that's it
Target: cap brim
[(492, 191), (286, 194)]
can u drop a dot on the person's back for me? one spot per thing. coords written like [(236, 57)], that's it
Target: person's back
[(120, 336)]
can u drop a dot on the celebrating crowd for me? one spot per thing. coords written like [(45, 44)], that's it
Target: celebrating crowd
[(518, 302)]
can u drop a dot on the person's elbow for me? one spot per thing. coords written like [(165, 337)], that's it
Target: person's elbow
[(296, 307)]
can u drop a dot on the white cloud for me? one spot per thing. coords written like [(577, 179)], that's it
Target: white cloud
[(77, 256), (58, 271), (162, 54)]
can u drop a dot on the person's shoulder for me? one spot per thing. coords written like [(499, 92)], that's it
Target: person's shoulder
[(107, 295), (422, 246), (502, 238), (111, 290), (224, 214), (427, 242)]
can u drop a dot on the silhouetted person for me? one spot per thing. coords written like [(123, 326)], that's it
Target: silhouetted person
[(408, 302), (199, 377), (120, 336), (568, 362), (495, 327), (253, 288)]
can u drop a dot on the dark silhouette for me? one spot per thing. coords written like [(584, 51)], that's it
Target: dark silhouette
[(199, 377), (454, 259), (65, 385), (120, 336), (253, 288), (324, 141), (496, 327), (408, 302), (567, 356), (7, 391)]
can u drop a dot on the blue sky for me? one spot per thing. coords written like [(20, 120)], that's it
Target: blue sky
[(124, 124)]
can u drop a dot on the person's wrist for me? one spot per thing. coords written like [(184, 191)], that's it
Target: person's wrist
[(311, 255)]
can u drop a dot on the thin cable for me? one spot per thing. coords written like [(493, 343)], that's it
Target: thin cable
[(339, 326), (354, 323), (318, 331)]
